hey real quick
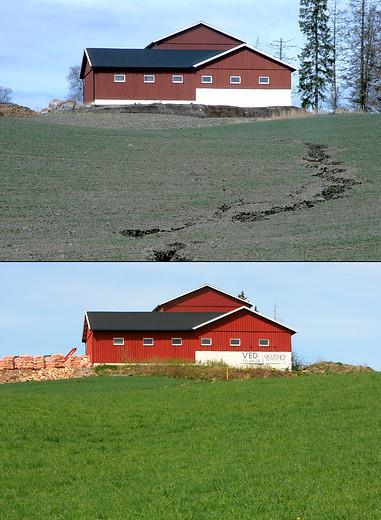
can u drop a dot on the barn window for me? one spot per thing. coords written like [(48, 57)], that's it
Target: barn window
[(206, 79), (118, 342), (149, 78), (177, 342), (235, 342), (206, 342), (119, 78), (235, 80), (177, 78), (148, 342), (264, 80), (264, 343)]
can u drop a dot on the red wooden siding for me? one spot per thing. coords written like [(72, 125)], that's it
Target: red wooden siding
[(249, 65), (205, 299), (198, 37), (279, 79), (134, 88), (247, 327), (88, 88)]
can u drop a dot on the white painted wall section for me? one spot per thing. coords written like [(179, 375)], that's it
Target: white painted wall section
[(120, 102), (244, 97), (279, 360)]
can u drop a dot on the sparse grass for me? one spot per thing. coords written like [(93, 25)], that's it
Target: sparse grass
[(160, 448), (69, 192), (213, 371)]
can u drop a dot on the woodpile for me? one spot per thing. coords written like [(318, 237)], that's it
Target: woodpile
[(38, 362), (7, 363), (45, 374), (23, 362), (55, 361), (43, 368)]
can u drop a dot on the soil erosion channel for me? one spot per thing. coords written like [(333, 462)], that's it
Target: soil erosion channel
[(329, 183)]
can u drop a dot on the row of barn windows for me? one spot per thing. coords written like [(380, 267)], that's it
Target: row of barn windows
[(179, 78), (204, 342)]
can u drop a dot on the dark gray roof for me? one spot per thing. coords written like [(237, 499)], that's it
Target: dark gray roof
[(148, 58), (148, 321)]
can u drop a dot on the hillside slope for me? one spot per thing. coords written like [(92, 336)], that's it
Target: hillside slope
[(293, 189), (146, 447)]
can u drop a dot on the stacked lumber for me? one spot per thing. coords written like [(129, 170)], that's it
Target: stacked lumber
[(7, 363)]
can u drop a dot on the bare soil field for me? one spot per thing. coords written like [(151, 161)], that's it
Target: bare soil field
[(136, 121), (106, 186)]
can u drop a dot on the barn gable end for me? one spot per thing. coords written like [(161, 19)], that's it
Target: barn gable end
[(204, 299), (198, 36)]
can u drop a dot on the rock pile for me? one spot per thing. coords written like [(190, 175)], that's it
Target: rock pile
[(59, 105)]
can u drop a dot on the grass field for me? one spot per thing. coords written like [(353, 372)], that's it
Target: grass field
[(77, 192), (156, 448)]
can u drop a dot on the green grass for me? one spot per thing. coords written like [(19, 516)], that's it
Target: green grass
[(66, 192), (156, 448)]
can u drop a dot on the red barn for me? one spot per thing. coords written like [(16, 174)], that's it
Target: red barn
[(199, 64), (203, 325)]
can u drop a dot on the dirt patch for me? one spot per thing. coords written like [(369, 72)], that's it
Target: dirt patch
[(200, 111), (330, 367), (13, 110), (161, 116)]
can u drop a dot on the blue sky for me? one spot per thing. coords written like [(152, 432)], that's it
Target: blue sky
[(336, 307), (41, 39)]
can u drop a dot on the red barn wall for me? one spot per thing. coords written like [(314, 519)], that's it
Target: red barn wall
[(249, 65), (135, 88), (198, 38), (248, 328), (202, 300), (88, 88)]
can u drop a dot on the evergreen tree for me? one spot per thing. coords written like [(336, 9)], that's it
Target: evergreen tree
[(316, 70)]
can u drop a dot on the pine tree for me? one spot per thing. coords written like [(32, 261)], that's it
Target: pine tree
[(315, 74)]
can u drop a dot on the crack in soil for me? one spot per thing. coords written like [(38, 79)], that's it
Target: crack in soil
[(171, 254), (138, 233), (317, 158)]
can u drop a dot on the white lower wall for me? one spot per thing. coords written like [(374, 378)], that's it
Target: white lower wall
[(236, 97), (119, 102), (279, 360), (244, 97)]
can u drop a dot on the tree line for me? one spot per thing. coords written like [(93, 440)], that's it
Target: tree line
[(340, 63)]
